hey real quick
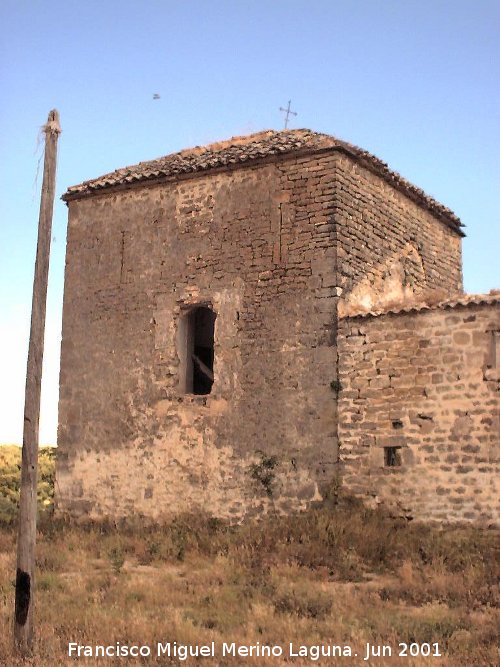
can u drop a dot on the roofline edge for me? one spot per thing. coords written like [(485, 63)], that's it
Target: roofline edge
[(391, 177)]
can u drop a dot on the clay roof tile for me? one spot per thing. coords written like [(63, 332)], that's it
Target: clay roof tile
[(460, 300), (256, 146)]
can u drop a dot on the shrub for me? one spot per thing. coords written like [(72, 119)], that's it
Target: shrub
[(304, 603), (10, 480)]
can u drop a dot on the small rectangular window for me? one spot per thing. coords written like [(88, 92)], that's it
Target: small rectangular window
[(495, 349), (392, 457), (196, 333), (492, 366)]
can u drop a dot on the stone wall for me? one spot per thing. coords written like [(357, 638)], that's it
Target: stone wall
[(254, 244), (425, 384), (272, 248), (390, 249)]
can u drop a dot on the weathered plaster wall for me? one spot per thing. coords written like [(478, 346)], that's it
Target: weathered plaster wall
[(256, 244), (427, 382), (274, 249), (390, 249)]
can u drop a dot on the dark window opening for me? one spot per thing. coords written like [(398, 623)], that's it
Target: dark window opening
[(392, 457), (494, 360), (198, 342), (492, 370)]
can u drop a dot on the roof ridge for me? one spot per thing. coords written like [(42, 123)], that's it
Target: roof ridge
[(245, 148)]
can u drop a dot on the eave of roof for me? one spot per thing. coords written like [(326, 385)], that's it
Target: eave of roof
[(255, 147), (462, 300)]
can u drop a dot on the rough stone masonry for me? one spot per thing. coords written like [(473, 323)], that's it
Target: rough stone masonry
[(248, 324)]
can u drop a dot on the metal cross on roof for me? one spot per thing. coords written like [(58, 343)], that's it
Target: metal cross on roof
[(288, 112)]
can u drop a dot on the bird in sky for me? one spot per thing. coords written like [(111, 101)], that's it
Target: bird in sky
[(156, 96)]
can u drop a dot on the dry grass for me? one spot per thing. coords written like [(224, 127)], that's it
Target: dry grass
[(344, 575)]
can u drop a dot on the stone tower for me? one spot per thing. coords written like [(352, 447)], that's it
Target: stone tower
[(203, 295)]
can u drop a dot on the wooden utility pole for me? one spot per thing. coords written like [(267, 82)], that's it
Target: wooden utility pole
[(23, 622)]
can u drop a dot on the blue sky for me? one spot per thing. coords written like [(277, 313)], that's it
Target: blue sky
[(416, 82)]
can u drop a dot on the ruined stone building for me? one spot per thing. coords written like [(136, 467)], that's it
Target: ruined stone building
[(248, 324)]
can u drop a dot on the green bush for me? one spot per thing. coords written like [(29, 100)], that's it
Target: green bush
[(10, 480)]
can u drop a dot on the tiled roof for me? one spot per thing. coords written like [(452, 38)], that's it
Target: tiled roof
[(459, 300), (262, 145)]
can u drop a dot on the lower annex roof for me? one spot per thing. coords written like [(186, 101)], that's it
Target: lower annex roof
[(459, 300)]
